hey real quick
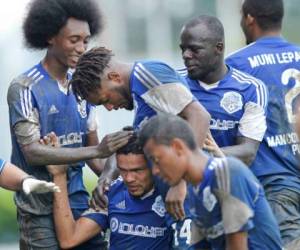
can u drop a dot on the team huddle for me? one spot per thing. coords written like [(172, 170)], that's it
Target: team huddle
[(210, 160)]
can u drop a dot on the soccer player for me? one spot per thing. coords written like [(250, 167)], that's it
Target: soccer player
[(229, 208), (235, 100), (39, 102), (13, 178), (148, 87), (275, 61), (136, 215)]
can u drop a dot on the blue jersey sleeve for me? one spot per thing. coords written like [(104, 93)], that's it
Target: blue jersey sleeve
[(21, 101), (101, 218), (237, 190), (2, 164)]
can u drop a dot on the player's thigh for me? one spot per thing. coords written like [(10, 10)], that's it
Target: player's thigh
[(285, 205), (37, 232)]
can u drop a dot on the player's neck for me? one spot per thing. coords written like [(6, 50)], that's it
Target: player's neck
[(197, 164), (55, 69), (266, 33), (215, 75)]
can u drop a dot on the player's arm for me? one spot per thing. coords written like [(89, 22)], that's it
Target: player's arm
[(13, 178), (237, 241), (245, 149), (70, 233), (97, 164), (198, 118)]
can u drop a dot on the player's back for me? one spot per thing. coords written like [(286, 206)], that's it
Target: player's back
[(277, 63)]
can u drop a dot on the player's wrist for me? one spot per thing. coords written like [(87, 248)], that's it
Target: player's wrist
[(25, 181)]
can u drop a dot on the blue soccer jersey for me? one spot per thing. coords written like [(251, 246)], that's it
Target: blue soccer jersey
[(230, 199), (157, 88), (134, 223), (2, 164), (237, 106), (38, 105), (277, 63)]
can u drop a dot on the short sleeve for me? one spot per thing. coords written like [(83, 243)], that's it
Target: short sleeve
[(237, 191), (166, 91), (100, 217), (253, 121), (2, 164), (24, 116)]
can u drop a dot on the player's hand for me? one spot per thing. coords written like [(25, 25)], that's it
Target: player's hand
[(51, 140), (175, 200), (99, 198), (112, 142), (31, 185), (110, 172), (211, 146)]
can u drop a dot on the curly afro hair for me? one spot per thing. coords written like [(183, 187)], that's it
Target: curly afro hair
[(45, 18)]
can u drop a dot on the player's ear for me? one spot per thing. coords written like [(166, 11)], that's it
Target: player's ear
[(114, 76), (178, 146), (220, 47), (249, 20)]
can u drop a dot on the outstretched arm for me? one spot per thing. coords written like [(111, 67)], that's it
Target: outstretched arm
[(13, 178), (70, 233)]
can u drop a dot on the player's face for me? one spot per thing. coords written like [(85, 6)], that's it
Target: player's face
[(135, 173), (70, 43), (198, 52), (111, 95), (164, 161)]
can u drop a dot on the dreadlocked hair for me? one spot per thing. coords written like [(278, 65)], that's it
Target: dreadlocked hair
[(89, 71)]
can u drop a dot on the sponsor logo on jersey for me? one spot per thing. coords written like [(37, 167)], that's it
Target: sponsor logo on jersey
[(70, 139), (231, 102), (117, 226), (222, 124), (159, 207), (81, 107)]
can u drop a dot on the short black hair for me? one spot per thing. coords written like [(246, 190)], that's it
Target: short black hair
[(213, 24), (268, 13), (166, 127), (132, 147), (45, 18), (89, 71)]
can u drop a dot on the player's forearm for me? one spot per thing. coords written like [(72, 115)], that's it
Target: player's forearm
[(199, 119), (241, 152), (63, 218), (11, 177), (37, 154), (237, 241)]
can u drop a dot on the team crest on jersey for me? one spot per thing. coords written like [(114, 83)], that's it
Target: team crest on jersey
[(81, 107), (159, 207), (231, 102), (114, 224), (209, 200)]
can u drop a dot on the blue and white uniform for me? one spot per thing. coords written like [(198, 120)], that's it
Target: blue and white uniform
[(134, 223), (2, 164), (237, 106), (228, 200), (38, 105), (157, 88), (277, 63)]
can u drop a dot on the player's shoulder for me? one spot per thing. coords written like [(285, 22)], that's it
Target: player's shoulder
[(228, 170), (116, 186), (244, 79), (27, 79), (242, 52)]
